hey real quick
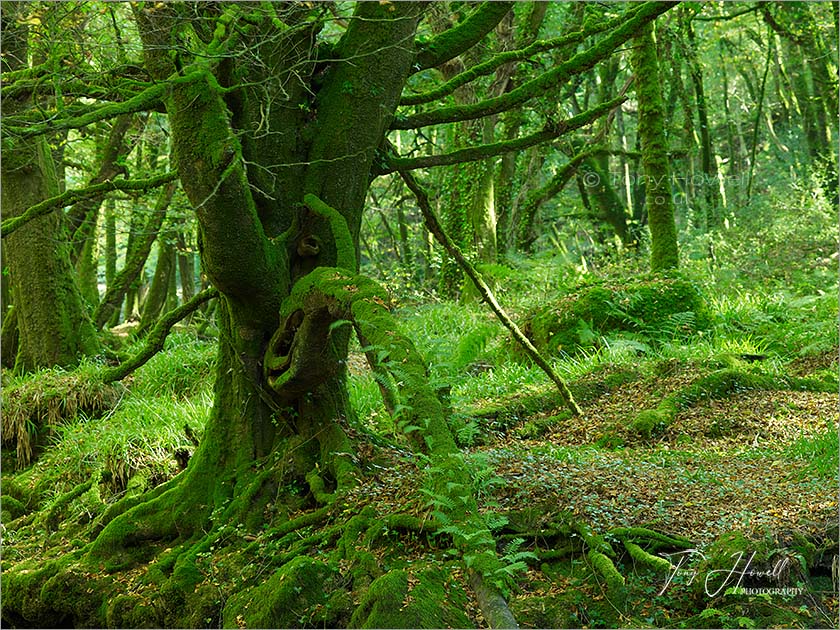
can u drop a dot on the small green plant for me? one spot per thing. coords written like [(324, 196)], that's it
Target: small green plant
[(820, 451)]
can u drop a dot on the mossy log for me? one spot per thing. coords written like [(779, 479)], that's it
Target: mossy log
[(719, 384)]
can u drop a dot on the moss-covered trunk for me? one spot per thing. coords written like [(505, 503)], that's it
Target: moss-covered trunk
[(659, 201), (54, 327), (257, 240)]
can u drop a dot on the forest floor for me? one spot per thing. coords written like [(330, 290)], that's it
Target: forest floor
[(727, 465), (724, 465)]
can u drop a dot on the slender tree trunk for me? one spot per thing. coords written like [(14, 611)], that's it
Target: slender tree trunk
[(111, 253), (658, 195), (160, 289), (708, 164), (186, 268), (129, 281)]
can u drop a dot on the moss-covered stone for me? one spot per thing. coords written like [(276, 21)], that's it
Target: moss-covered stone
[(656, 306), (12, 508)]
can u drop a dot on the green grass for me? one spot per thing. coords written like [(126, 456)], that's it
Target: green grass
[(820, 452), (185, 368)]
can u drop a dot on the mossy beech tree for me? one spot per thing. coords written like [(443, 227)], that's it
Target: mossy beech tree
[(277, 115), (659, 201)]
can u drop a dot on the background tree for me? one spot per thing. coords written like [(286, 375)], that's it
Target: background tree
[(53, 325)]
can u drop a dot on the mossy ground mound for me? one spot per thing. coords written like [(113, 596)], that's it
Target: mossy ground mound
[(34, 407), (655, 307)]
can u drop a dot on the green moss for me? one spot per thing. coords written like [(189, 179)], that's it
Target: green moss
[(285, 600), (643, 558), (130, 611), (656, 306), (11, 507), (615, 583), (424, 597), (653, 422)]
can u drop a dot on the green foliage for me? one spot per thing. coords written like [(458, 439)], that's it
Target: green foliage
[(185, 368), (653, 307), (819, 452)]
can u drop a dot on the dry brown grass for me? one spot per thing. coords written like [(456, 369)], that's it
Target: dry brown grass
[(33, 408)]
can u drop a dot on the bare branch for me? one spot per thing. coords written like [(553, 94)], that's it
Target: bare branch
[(436, 229)]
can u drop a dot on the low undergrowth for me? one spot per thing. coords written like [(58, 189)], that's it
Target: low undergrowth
[(694, 454)]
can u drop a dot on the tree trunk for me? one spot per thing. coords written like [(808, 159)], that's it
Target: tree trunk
[(713, 217), (53, 326), (160, 289), (130, 278), (658, 196)]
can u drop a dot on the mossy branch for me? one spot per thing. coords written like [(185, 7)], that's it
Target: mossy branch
[(487, 67), (578, 64), (642, 557), (434, 226), (80, 87), (462, 37), (72, 196), (157, 336), (551, 131), (150, 98), (345, 248)]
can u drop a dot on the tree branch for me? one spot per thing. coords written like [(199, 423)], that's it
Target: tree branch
[(72, 196), (472, 154), (487, 67), (433, 225), (462, 37), (157, 337), (724, 18), (149, 98), (98, 86), (550, 80)]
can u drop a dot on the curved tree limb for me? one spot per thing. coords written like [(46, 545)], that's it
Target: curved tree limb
[(435, 228), (487, 67), (581, 62), (149, 98), (157, 336), (472, 154), (72, 196), (456, 40)]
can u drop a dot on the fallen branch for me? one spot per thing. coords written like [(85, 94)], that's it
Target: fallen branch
[(433, 225)]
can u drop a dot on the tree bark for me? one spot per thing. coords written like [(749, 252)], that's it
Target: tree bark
[(53, 326), (659, 200)]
